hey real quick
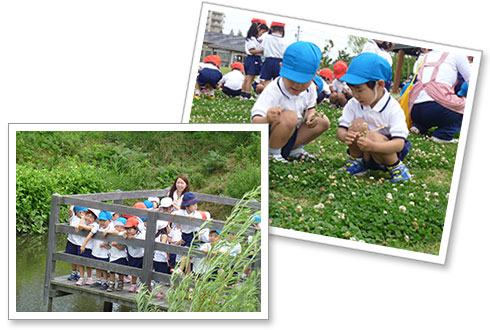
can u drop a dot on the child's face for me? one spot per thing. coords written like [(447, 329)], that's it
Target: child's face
[(295, 88), (103, 223), (213, 237), (261, 32), (89, 218), (180, 184), (191, 208), (119, 228), (115, 216), (80, 214), (367, 96), (131, 230)]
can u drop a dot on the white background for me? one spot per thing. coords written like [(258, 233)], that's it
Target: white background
[(128, 61)]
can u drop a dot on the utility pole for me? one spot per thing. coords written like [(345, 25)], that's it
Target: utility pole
[(298, 33)]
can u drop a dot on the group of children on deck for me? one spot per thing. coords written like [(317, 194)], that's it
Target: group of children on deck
[(180, 201)]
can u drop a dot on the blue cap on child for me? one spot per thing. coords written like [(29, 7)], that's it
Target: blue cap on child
[(79, 208), (188, 199), (148, 203), (367, 67), (319, 82), (301, 61), (105, 215), (120, 221)]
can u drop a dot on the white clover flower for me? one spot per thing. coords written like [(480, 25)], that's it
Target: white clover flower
[(411, 203), (290, 176), (435, 194), (402, 208), (299, 209), (331, 196), (389, 196), (319, 206), (411, 195), (353, 193), (385, 212), (395, 189), (407, 238)]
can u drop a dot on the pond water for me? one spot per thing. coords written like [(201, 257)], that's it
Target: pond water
[(30, 270)]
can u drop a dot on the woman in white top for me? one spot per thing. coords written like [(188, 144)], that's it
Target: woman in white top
[(178, 189), (433, 102)]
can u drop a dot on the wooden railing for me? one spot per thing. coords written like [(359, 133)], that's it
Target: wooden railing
[(96, 201)]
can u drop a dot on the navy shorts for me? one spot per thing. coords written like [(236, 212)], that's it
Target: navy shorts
[(188, 239), (431, 114), (161, 267), (72, 248), (120, 261), (271, 68), (171, 259), (87, 253), (231, 92), (209, 76), (135, 262), (372, 165), (286, 149), (253, 65)]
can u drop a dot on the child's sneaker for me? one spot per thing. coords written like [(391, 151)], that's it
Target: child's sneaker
[(132, 288), (158, 295), (111, 286), (301, 153), (73, 277), (80, 282), (96, 284), (104, 286), (120, 286), (89, 281), (127, 278), (354, 167), (277, 158), (399, 172)]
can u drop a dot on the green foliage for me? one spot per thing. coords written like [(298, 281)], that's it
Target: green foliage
[(358, 210), (93, 162), (356, 44), (326, 60), (221, 288)]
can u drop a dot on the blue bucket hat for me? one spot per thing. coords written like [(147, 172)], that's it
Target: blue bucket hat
[(105, 215), (301, 61), (79, 208), (148, 203), (189, 199), (319, 82), (367, 67)]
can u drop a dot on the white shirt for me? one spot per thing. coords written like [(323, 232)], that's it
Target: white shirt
[(252, 43), (208, 66), (100, 252), (160, 256), (275, 94), (187, 229), (134, 251), (448, 71), (338, 86), (233, 80), (387, 112), (175, 233), (115, 253), (75, 239), (372, 47), (273, 45)]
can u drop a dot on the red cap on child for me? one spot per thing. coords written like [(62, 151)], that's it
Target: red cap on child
[(339, 69), (237, 65), (278, 24), (215, 59)]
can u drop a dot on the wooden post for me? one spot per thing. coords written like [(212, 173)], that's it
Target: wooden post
[(118, 201), (398, 72), (52, 246), (107, 306), (151, 225)]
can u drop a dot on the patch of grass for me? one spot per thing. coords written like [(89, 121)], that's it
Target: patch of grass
[(315, 197)]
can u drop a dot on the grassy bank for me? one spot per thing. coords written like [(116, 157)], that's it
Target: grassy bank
[(219, 163), (315, 197)]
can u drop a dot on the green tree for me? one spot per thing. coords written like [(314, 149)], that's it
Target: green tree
[(232, 33), (344, 56), (240, 34), (356, 44), (326, 60)]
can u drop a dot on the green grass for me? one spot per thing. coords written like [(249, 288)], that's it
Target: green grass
[(217, 163), (314, 197)]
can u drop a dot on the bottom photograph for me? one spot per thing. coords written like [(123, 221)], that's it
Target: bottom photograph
[(138, 218)]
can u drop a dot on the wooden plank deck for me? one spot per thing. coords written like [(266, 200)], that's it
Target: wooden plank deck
[(60, 286)]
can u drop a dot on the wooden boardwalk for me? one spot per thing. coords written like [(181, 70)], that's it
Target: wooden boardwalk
[(56, 286), (60, 287)]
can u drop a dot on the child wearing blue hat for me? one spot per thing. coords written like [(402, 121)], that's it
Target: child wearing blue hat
[(288, 104), (100, 249), (372, 122), (117, 254), (75, 241)]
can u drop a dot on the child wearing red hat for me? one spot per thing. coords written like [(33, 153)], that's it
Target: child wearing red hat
[(340, 92), (209, 76), (274, 48), (135, 253), (254, 50), (231, 83)]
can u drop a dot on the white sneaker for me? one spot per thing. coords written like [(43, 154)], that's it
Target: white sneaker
[(433, 138), (277, 158), (415, 130), (301, 153)]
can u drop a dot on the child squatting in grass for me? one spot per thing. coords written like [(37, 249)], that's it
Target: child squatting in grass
[(372, 122), (288, 104)]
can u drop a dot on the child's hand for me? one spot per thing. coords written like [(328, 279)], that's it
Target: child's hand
[(102, 245), (351, 137), (114, 244), (77, 228), (104, 234), (125, 235), (273, 114), (364, 144), (311, 120), (82, 248)]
